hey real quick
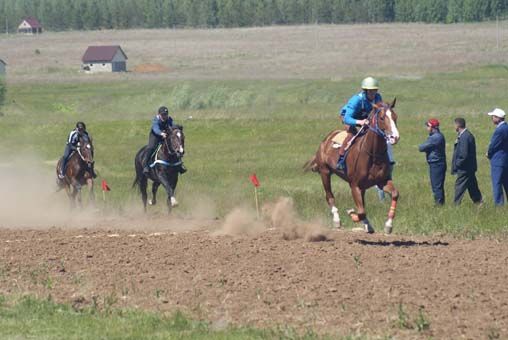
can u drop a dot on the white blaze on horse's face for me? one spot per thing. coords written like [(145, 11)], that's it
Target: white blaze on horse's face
[(393, 137)]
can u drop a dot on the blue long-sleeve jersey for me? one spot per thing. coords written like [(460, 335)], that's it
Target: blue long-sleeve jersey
[(358, 107), (158, 126)]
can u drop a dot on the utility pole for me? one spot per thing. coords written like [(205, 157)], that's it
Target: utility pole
[(6, 25), (497, 31)]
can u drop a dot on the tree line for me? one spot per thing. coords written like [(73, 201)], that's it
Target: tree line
[(60, 15)]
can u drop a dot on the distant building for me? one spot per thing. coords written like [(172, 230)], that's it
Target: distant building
[(3, 64), (30, 25), (104, 59)]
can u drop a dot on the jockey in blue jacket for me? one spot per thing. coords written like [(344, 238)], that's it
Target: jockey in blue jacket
[(161, 123), (72, 145), (356, 112)]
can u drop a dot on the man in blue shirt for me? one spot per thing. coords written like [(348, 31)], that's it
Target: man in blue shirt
[(161, 123), (434, 148), (498, 155), (356, 112)]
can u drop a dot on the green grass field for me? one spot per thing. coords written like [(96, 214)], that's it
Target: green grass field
[(267, 127), (29, 318)]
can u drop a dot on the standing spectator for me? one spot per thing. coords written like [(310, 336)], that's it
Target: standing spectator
[(498, 155), (434, 148), (464, 164)]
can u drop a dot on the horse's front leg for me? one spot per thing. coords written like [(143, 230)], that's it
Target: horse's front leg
[(390, 188), (155, 187), (173, 181), (91, 193), (360, 214), (163, 178), (330, 198)]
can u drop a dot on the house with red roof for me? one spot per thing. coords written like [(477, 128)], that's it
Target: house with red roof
[(30, 26), (104, 59)]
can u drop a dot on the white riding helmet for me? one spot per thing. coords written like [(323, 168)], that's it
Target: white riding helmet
[(370, 83)]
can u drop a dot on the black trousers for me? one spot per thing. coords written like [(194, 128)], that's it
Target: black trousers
[(153, 141), (467, 181)]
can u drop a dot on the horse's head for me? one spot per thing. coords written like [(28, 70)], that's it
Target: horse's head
[(383, 121), (176, 142), (85, 149)]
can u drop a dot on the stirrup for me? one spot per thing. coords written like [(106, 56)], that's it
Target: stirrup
[(341, 164), (61, 176)]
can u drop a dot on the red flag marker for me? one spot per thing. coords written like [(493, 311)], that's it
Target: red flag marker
[(255, 181), (105, 186)]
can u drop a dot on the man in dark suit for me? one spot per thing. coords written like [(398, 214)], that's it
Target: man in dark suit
[(464, 164), (498, 155)]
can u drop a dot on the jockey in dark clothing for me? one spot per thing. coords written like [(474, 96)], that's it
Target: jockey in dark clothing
[(160, 125), (72, 145)]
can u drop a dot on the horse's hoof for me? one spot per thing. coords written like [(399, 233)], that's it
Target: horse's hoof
[(388, 227), (368, 229), (150, 202), (174, 202)]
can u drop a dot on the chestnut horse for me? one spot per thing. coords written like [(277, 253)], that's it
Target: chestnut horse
[(78, 172), (164, 169), (367, 164)]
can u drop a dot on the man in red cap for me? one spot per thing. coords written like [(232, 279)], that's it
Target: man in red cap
[(434, 148)]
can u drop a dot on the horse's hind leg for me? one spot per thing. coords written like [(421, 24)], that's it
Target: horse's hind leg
[(155, 187), (390, 188), (330, 199), (360, 215)]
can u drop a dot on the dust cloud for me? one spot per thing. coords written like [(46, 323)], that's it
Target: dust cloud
[(279, 215)]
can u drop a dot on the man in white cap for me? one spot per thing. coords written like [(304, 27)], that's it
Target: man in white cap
[(498, 155)]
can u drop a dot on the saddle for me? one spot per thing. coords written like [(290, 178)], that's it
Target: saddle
[(338, 139)]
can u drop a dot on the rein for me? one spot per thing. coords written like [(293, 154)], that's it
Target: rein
[(374, 117)]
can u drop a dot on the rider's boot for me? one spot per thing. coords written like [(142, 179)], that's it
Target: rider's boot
[(92, 170), (146, 167), (182, 169), (63, 166), (341, 163)]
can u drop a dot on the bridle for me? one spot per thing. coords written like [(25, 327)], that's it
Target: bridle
[(170, 152)]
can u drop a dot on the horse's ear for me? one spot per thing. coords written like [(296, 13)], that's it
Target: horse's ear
[(392, 105)]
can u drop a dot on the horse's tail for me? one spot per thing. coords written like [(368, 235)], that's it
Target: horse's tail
[(138, 167), (310, 165)]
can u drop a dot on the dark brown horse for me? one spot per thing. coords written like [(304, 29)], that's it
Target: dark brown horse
[(78, 172), (367, 164), (164, 169)]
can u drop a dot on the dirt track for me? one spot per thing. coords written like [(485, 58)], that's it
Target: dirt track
[(351, 283)]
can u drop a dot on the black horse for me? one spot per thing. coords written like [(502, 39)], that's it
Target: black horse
[(164, 169)]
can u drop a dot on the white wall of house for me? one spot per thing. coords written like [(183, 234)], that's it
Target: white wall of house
[(98, 67)]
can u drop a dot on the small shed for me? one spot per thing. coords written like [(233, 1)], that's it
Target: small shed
[(104, 59), (3, 64), (30, 26)]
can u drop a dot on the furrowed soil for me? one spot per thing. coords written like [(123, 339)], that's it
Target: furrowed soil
[(351, 283)]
